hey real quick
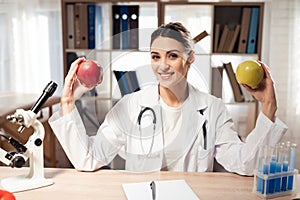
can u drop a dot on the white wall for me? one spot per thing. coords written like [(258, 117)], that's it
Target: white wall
[(280, 50)]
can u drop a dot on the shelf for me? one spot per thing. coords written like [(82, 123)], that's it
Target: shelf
[(200, 16)]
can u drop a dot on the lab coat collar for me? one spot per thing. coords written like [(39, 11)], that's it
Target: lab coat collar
[(150, 97), (198, 98)]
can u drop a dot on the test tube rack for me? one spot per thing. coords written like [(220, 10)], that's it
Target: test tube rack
[(268, 186)]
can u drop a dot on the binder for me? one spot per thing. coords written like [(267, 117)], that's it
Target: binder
[(132, 80), (124, 27), (234, 38), (245, 22), (122, 83), (253, 30), (133, 14), (70, 26), (217, 36), (91, 26), (81, 30), (237, 91), (216, 81), (116, 18), (99, 27), (127, 81), (223, 38)]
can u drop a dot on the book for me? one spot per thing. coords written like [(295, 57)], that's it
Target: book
[(234, 38), (216, 81), (80, 26), (124, 27), (245, 21), (200, 36), (133, 14), (98, 27), (91, 26), (227, 41), (237, 91), (134, 81), (253, 30), (71, 57), (123, 86), (70, 26), (216, 37), (116, 20), (223, 38), (127, 81)]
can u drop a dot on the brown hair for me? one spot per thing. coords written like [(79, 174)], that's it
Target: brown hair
[(177, 31)]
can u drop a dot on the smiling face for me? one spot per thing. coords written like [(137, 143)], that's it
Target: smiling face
[(169, 61)]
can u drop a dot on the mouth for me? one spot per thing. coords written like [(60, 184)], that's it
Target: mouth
[(166, 76)]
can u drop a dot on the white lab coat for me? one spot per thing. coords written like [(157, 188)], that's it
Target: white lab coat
[(120, 134)]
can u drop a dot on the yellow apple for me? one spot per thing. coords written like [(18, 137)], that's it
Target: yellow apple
[(249, 72)]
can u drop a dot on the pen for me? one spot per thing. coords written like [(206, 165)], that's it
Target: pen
[(153, 189), (204, 131), (204, 136)]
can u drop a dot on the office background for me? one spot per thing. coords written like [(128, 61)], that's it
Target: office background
[(31, 51)]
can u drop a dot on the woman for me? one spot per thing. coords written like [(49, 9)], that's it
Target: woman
[(169, 125)]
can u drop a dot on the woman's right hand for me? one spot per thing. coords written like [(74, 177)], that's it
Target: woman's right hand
[(72, 88)]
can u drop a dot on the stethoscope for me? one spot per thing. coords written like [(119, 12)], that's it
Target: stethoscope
[(139, 121), (204, 129)]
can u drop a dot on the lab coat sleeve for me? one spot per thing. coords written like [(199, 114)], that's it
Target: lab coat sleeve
[(86, 153), (241, 157)]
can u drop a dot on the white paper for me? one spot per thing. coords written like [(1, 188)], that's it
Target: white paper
[(170, 189)]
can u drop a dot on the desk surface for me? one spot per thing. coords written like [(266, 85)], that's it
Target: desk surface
[(107, 184)]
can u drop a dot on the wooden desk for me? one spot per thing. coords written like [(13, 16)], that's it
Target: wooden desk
[(107, 184), (9, 102)]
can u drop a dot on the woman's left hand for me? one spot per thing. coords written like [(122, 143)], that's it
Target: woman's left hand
[(265, 93)]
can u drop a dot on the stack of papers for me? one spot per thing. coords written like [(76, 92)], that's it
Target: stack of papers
[(171, 189)]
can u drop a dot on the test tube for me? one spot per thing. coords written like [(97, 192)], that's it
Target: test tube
[(278, 168), (291, 166), (285, 167), (260, 181), (273, 159), (266, 168)]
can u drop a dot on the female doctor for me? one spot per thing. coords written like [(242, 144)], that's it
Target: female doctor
[(169, 125)]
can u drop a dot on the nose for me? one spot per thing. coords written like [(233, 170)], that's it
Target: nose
[(164, 65)]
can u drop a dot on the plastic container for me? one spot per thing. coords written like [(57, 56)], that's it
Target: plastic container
[(269, 186)]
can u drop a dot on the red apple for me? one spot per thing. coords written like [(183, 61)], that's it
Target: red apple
[(5, 195), (89, 73)]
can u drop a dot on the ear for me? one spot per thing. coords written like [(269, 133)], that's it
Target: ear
[(191, 57)]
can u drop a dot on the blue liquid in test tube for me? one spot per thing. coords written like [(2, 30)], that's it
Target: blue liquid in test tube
[(265, 183), (272, 171), (260, 181), (278, 180), (292, 163), (285, 168)]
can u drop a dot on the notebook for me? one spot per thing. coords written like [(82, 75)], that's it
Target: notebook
[(166, 189)]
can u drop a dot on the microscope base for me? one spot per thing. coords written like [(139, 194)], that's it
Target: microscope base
[(22, 183)]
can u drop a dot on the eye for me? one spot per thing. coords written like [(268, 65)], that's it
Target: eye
[(155, 57), (173, 56)]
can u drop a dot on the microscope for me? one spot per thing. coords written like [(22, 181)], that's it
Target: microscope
[(32, 150)]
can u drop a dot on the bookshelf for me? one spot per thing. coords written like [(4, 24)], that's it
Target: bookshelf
[(209, 16), (215, 17)]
